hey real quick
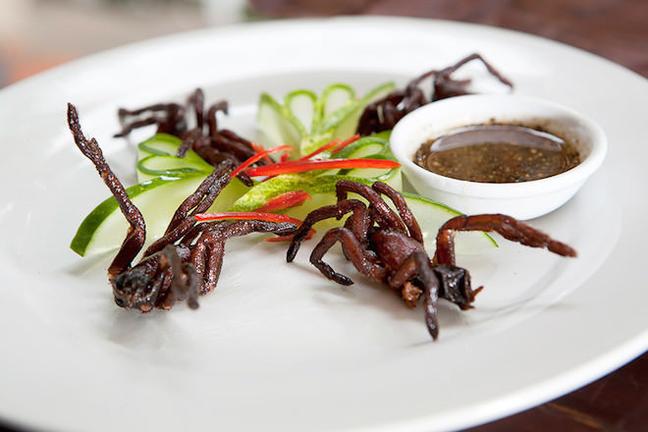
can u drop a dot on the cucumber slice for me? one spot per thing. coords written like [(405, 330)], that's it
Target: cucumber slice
[(348, 126), (306, 121), (336, 96), (302, 104), (431, 215), (160, 144), (277, 125), (157, 157), (313, 184), (153, 166), (105, 227)]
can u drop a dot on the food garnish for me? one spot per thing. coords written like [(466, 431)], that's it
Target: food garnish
[(306, 120), (290, 167)]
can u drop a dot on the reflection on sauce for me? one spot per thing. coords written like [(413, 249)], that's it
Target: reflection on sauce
[(495, 153)]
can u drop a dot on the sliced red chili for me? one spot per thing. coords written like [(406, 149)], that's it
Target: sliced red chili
[(345, 143), (312, 165), (285, 200), (262, 216), (325, 147), (259, 149), (257, 157)]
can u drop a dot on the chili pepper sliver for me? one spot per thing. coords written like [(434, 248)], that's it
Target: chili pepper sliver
[(304, 166), (285, 200), (262, 216), (257, 157)]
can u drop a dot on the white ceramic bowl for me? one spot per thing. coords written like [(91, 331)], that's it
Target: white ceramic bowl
[(524, 200)]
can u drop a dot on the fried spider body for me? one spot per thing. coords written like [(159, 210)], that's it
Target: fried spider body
[(186, 261), (384, 113), (214, 145), (387, 246)]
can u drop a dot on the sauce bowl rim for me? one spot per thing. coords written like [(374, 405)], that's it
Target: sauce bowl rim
[(400, 145)]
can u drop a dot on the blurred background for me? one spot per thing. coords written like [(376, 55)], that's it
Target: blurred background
[(38, 34)]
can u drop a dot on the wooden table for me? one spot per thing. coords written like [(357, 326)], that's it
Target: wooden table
[(614, 29)]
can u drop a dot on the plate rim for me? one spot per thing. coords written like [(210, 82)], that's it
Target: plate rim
[(593, 370)]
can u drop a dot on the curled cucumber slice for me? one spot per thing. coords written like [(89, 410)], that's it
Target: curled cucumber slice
[(105, 227), (157, 157), (306, 120)]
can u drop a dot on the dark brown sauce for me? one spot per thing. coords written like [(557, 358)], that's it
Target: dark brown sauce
[(498, 153)]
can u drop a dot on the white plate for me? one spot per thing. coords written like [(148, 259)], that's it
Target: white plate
[(278, 347)]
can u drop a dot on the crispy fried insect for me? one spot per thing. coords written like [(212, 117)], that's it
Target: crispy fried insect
[(186, 261), (384, 113), (212, 144), (387, 246)]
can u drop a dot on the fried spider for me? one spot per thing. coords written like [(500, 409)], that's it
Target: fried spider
[(214, 145), (186, 261), (384, 113), (387, 246)]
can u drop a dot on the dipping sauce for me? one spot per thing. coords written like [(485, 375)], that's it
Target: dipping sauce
[(497, 153)]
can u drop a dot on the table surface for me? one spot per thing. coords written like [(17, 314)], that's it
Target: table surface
[(614, 29)]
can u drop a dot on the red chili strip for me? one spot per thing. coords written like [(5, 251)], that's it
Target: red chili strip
[(325, 147), (304, 166), (345, 143), (262, 216), (285, 200), (257, 157), (259, 148)]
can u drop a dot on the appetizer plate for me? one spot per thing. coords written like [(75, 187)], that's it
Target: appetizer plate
[(276, 346)]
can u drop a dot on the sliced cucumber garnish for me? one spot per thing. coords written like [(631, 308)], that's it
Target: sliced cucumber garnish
[(157, 157), (307, 121), (431, 215), (105, 227)]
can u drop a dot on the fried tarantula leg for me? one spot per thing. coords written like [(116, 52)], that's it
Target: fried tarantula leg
[(507, 226), (403, 209), (137, 230), (171, 121), (130, 127), (475, 56), (212, 121), (197, 101), (198, 202), (216, 236), (418, 265), (359, 225), (384, 214), (189, 140), (352, 249), (445, 73), (184, 279), (236, 147)]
